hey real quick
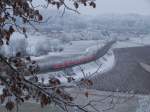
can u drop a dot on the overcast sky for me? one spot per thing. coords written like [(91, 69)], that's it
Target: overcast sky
[(116, 6), (119, 6)]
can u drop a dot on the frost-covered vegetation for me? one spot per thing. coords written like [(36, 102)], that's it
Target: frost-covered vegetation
[(34, 45), (67, 28), (57, 31)]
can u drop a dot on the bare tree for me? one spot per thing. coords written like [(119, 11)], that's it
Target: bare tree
[(18, 89), (13, 70)]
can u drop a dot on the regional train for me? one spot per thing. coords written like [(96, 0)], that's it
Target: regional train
[(82, 60)]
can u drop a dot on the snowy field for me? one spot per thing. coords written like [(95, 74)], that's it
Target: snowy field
[(41, 49), (90, 69), (133, 42), (72, 50), (83, 47)]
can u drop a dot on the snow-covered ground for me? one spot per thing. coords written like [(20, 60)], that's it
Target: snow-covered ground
[(90, 69), (133, 42), (39, 44), (81, 47), (73, 49), (36, 44), (100, 66)]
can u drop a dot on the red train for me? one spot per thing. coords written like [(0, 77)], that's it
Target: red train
[(69, 63), (84, 59)]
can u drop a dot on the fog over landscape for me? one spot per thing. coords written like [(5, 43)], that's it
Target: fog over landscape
[(121, 6), (115, 7), (108, 44)]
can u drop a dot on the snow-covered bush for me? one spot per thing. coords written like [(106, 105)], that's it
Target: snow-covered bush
[(33, 45), (17, 43), (41, 45)]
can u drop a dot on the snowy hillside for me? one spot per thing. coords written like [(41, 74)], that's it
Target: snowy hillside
[(102, 26)]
